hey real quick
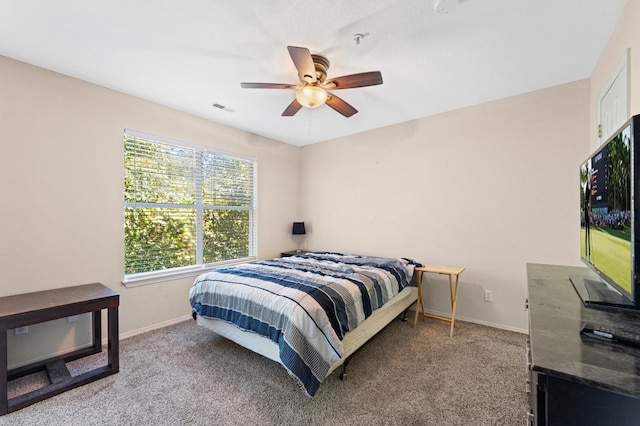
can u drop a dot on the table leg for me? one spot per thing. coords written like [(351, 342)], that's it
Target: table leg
[(97, 331), (419, 303), (113, 343), (454, 302), (451, 289)]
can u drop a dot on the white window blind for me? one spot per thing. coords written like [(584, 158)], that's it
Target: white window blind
[(185, 205)]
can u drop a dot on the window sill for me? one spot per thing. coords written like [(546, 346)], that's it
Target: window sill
[(146, 278)]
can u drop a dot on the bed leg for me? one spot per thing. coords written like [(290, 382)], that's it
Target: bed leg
[(404, 315), (343, 375)]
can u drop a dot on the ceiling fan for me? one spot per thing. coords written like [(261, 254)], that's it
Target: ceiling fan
[(313, 90)]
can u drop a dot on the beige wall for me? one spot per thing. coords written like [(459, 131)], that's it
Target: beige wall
[(626, 35), (490, 188), (61, 186)]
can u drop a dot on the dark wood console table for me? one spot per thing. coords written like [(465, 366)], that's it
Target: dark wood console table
[(33, 308), (577, 380)]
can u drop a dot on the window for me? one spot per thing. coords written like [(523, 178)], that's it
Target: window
[(186, 207)]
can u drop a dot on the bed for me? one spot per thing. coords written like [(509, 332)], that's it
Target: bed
[(308, 312)]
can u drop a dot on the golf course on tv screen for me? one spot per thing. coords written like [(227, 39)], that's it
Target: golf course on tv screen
[(605, 196), (611, 253)]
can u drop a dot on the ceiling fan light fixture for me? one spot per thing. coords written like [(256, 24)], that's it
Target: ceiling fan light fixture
[(315, 93), (311, 96)]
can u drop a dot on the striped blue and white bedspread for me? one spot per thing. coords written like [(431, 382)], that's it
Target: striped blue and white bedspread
[(304, 303)]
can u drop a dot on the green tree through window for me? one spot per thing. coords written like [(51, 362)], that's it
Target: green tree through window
[(185, 205)]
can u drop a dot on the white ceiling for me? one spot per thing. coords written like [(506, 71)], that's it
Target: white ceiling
[(189, 54)]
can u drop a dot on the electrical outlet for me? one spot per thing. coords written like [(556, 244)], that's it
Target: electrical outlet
[(488, 296), (20, 330), (73, 318)]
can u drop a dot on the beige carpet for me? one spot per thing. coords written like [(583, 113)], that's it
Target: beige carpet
[(185, 374)]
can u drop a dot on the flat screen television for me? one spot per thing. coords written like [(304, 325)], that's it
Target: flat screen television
[(610, 222)]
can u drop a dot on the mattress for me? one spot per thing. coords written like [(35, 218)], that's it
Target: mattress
[(305, 304)]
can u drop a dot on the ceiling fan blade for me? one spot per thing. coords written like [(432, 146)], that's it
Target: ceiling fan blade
[(292, 108), (301, 58), (341, 106), (267, 86), (355, 80)]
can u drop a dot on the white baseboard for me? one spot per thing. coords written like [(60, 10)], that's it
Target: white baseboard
[(475, 321), (429, 311), (151, 327)]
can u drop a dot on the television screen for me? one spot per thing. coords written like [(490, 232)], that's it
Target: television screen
[(605, 189), (608, 221)]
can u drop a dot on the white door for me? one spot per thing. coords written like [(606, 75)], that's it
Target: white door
[(613, 101)]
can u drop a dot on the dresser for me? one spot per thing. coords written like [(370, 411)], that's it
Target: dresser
[(575, 379)]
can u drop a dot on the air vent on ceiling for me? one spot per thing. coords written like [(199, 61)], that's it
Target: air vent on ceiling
[(222, 107)]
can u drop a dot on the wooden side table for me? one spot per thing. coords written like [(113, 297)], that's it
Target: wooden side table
[(33, 308), (453, 291)]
